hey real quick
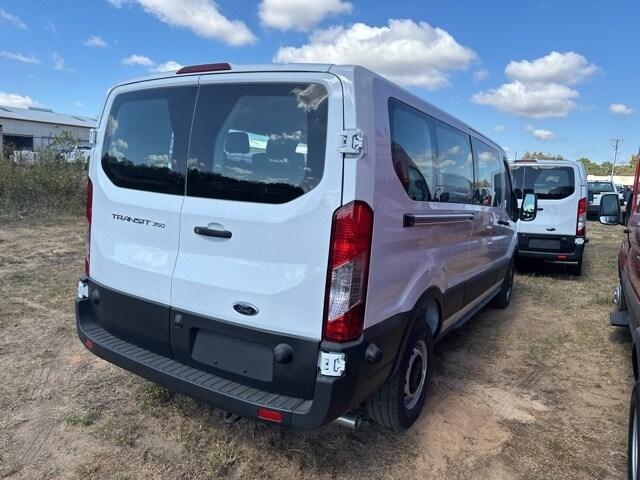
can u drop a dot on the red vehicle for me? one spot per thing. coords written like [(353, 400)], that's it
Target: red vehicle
[(627, 298)]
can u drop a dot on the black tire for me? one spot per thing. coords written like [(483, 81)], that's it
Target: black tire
[(633, 453), (503, 298), (576, 269), (389, 406), (623, 301)]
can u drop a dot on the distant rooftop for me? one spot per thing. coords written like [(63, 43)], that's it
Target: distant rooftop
[(44, 115)]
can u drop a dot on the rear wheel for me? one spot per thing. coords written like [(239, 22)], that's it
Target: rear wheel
[(577, 268), (622, 302), (399, 401), (633, 442), (503, 298)]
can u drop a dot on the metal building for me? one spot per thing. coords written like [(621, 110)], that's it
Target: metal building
[(32, 128)]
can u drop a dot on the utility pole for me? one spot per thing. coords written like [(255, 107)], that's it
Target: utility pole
[(616, 145)]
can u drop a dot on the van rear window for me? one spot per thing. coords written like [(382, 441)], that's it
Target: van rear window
[(147, 139), (548, 183), (600, 187), (257, 142)]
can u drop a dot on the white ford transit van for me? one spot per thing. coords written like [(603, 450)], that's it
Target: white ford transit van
[(287, 242), (559, 232)]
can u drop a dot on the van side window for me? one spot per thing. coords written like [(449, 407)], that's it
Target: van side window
[(431, 159), (455, 165), (412, 151), (488, 187), (261, 142), (147, 139)]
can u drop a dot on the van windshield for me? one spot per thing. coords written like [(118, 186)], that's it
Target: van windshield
[(548, 183), (256, 142), (600, 187)]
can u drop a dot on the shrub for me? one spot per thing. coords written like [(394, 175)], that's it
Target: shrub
[(53, 186)]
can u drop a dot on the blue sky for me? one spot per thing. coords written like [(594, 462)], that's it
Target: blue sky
[(489, 62)]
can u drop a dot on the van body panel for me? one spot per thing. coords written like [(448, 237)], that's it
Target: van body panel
[(284, 276), (406, 262), (134, 233)]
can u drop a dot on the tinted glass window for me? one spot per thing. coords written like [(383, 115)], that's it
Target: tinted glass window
[(432, 160), (412, 151), (454, 165), (549, 183), (488, 187), (600, 187), (258, 142), (147, 139)]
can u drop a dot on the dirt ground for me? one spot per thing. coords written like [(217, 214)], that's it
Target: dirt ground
[(539, 390)]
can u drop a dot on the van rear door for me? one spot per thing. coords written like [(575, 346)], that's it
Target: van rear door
[(558, 190), (138, 176), (264, 179)]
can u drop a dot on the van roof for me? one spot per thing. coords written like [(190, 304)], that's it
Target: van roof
[(237, 68)]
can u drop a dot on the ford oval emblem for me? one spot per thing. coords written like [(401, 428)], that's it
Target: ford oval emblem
[(245, 309)]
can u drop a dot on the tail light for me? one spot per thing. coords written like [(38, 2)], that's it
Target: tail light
[(87, 245), (348, 271), (581, 226)]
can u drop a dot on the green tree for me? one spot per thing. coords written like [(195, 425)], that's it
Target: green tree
[(541, 156)]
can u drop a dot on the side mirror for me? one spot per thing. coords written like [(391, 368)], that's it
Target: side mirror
[(93, 134), (609, 209), (529, 209)]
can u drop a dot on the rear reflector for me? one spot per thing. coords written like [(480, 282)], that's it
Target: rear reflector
[(88, 343), (271, 415), (562, 257), (206, 67)]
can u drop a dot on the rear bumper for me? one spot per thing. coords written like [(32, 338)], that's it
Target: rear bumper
[(332, 396), (570, 248)]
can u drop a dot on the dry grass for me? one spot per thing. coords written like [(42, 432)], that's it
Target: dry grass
[(538, 390)]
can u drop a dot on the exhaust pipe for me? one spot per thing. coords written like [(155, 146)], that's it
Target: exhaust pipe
[(349, 420)]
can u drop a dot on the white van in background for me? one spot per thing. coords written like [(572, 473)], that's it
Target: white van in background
[(558, 233)]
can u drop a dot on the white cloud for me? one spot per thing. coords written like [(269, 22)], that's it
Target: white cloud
[(499, 128), (59, 63), (11, 19), (138, 60), (620, 109), (78, 104), (480, 75), (19, 57), (299, 14), (169, 66), (406, 52), (567, 68), (535, 101), (202, 17), (15, 100), (540, 134), (540, 88), (144, 61), (95, 41), (51, 28)]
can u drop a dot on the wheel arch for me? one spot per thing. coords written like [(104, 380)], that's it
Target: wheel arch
[(432, 294)]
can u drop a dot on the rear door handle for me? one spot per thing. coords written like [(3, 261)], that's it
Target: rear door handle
[(212, 232), (504, 222)]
